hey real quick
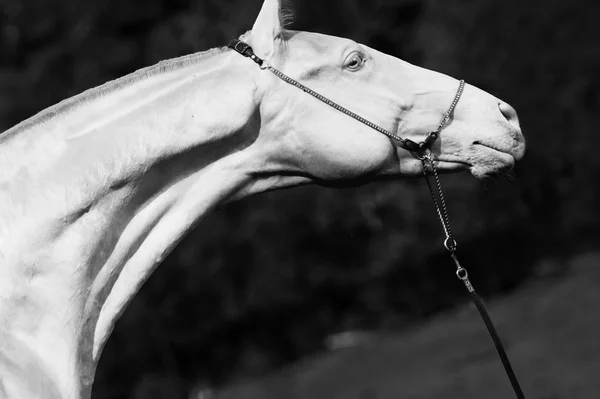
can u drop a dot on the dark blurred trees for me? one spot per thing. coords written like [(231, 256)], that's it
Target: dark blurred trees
[(264, 281)]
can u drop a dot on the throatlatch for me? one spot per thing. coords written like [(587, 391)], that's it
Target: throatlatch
[(422, 151)]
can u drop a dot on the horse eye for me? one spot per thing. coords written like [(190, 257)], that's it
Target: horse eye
[(355, 62)]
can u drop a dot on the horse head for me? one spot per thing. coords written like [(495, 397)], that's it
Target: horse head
[(316, 141)]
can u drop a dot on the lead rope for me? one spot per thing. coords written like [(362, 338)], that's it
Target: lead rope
[(423, 153), (450, 244)]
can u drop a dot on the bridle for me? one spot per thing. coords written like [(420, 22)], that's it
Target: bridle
[(421, 151)]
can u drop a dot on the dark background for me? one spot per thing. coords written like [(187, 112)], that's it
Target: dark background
[(265, 281)]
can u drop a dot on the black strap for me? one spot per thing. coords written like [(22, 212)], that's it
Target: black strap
[(499, 348), (462, 274)]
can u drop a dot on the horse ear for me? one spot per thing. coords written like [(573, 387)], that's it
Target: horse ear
[(267, 29)]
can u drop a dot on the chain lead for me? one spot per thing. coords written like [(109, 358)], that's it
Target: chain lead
[(438, 199)]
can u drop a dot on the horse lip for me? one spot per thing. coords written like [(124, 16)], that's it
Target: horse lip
[(516, 148), (496, 148), (454, 161)]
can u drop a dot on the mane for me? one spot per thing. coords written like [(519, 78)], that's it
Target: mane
[(109, 87), (286, 15)]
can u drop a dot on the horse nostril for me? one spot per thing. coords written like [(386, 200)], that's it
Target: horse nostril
[(509, 113)]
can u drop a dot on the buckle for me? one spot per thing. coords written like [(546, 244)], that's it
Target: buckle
[(245, 50), (244, 47), (241, 47)]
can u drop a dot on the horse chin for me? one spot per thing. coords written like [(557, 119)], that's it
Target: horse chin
[(496, 173), (488, 161), (494, 168)]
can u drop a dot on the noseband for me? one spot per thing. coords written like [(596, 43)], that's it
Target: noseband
[(421, 151)]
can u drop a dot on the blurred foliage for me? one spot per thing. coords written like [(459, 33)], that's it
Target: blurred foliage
[(262, 282)]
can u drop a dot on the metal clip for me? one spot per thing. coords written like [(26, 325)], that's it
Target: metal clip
[(462, 274), (423, 155), (450, 244)]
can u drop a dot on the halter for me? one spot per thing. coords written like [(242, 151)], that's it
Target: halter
[(421, 151)]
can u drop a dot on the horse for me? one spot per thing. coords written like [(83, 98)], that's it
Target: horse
[(96, 190)]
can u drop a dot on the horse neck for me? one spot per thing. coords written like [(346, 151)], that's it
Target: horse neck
[(97, 195)]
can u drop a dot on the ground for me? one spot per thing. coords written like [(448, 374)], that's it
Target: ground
[(549, 327)]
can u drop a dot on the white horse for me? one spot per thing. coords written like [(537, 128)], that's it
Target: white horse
[(96, 190)]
